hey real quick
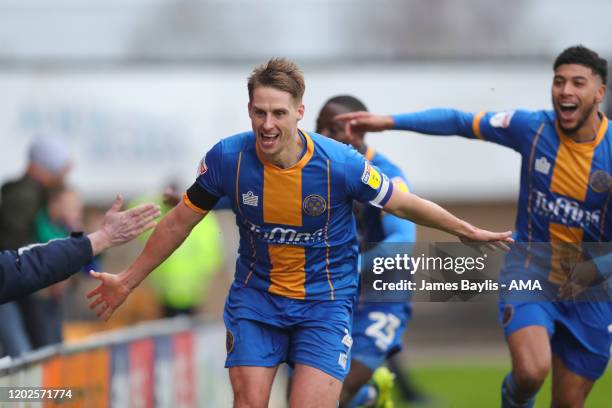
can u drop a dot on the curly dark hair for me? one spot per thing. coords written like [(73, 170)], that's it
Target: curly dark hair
[(579, 54)]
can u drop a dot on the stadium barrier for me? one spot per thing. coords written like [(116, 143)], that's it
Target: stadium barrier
[(167, 363)]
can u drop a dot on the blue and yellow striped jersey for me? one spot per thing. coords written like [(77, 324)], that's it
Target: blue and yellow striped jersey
[(565, 188), (297, 230)]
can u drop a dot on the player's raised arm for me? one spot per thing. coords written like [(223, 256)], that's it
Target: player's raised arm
[(427, 213), (510, 128), (167, 236), (170, 233), (366, 183), (364, 121), (432, 121)]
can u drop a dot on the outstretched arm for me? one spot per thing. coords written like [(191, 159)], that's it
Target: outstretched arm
[(511, 128), (37, 266), (169, 234), (432, 121), (424, 212)]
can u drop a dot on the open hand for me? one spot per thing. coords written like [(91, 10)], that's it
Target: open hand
[(120, 227), (363, 121), (480, 239), (109, 295)]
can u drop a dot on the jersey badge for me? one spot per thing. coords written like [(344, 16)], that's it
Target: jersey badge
[(314, 205), (250, 199), (371, 177), (542, 165), (501, 119), (202, 167), (600, 181)]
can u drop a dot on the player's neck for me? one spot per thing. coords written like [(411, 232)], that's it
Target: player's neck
[(290, 155), (588, 131)]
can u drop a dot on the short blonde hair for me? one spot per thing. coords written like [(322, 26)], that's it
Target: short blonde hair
[(278, 73)]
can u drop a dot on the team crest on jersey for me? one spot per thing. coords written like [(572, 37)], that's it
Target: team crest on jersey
[(600, 181), (314, 205), (371, 176), (501, 119), (202, 167)]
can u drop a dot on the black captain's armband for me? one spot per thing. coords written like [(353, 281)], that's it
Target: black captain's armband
[(198, 197)]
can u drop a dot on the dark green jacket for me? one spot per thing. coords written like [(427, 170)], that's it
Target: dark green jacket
[(20, 201)]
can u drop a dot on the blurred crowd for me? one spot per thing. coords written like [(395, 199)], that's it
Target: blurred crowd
[(40, 206)]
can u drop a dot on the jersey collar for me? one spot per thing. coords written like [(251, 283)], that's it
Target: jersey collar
[(586, 146), (297, 166)]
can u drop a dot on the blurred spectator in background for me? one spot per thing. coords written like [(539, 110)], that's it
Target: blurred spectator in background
[(182, 280), (48, 164), (42, 311)]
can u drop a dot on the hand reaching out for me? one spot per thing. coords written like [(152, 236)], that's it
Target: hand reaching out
[(119, 227), (109, 295)]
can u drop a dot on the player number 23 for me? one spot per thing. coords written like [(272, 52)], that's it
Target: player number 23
[(383, 329)]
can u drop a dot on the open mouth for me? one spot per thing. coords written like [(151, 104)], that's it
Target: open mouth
[(568, 109), (268, 140)]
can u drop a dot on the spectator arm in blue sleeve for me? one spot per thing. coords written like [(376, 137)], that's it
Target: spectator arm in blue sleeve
[(37, 266)]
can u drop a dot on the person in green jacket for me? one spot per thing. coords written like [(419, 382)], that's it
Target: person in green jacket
[(182, 280)]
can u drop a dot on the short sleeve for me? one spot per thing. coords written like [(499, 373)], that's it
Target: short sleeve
[(208, 187), (210, 171), (365, 182)]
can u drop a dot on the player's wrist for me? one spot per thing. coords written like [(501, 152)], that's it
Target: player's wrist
[(465, 230), (129, 279)]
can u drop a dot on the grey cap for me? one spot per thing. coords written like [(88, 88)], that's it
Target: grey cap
[(50, 152)]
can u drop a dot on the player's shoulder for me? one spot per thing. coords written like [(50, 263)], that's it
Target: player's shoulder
[(520, 118), (535, 116), (226, 151), (332, 149), (504, 117), (543, 117), (238, 142)]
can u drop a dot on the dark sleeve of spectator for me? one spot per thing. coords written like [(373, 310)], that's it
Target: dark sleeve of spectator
[(34, 267)]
